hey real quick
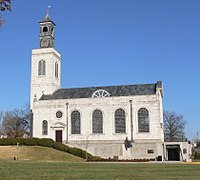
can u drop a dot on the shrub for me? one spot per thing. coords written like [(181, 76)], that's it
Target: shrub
[(20, 141), (61, 147), (5, 141), (80, 153), (76, 152), (197, 155), (31, 141), (95, 158), (11, 141), (47, 142)]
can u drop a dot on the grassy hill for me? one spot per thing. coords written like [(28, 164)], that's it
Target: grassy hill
[(36, 153)]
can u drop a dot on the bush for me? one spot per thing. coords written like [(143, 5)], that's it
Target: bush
[(80, 153), (94, 158), (31, 141), (11, 141), (76, 152), (61, 147), (197, 155), (5, 142), (46, 142), (20, 141)]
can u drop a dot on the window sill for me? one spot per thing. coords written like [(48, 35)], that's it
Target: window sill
[(120, 133)]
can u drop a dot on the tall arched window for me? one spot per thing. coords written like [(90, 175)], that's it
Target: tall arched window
[(143, 120), (44, 127), (56, 70), (120, 121), (75, 122), (97, 122), (42, 68)]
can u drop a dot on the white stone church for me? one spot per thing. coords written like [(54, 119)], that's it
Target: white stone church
[(97, 119)]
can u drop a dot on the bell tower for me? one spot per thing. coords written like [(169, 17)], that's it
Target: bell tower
[(47, 31), (45, 63)]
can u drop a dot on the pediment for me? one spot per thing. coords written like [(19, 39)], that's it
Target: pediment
[(58, 125)]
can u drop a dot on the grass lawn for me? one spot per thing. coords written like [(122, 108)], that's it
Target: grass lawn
[(82, 170), (36, 153)]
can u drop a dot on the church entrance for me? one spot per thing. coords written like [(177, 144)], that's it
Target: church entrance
[(58, 135), (173, 152)]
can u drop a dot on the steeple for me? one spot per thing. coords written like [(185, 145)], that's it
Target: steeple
[(47, 27), (45, 63)]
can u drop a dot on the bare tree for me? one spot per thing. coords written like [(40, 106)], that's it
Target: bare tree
[(16, 123), (5, 5), (1, 20), (174, 126), (1, 116), (1, 120)]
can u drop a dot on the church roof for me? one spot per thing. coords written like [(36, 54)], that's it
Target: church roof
[(87, 92)]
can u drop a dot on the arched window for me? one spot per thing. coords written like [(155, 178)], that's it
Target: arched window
[(56, 70), (120, 121), (42, 68), (45, 29), (75, 122), (143, 120), (44, 127), (97, 122)]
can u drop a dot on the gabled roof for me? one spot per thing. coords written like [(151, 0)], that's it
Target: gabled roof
[(87, 92)]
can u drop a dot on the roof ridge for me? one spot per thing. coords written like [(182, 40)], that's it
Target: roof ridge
[(107, 86)]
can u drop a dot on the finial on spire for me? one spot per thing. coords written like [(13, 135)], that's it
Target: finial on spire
[(48, 8)]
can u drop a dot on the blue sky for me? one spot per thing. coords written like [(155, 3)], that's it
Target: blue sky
[(109, 42)]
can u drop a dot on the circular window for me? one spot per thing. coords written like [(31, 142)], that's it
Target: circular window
[(59, 114)]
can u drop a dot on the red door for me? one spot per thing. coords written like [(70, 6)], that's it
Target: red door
[(58, 136)]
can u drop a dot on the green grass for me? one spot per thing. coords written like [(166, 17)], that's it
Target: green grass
[(47, 163), (66, 170)]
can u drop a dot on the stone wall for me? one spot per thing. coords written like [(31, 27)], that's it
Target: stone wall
[(109, 149)]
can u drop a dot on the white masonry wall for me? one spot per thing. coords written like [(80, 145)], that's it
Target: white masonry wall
[(110, 141), (44, 84)]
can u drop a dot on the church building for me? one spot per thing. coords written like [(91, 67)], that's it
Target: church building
[(122, 121)]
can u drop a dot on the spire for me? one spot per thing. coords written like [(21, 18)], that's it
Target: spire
[(47, 13), (47, 18)]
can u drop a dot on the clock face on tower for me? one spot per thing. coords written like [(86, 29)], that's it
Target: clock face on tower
[(44, 43)]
